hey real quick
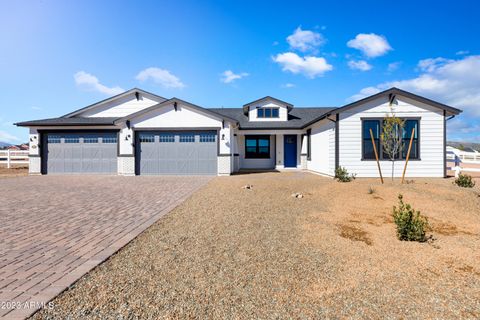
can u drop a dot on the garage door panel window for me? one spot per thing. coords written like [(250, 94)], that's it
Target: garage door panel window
[(109, 139), (72, 140), (147, 138), (187, 137), (166, 137), (90, 140), (54, 139), (257, 147), (207, 137)]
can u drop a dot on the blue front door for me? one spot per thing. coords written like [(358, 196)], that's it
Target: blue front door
[(290, 151)]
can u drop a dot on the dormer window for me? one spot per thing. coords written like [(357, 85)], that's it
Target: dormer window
[(268, 113)]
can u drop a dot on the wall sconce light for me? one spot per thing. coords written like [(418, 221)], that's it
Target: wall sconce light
[(127, 137), (223, 136)]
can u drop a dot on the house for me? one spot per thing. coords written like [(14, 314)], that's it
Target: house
[(140, 133)]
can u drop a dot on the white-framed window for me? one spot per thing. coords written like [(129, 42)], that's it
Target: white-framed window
[(268, 113)]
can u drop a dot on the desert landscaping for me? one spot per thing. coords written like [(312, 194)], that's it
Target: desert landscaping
[(259, 252)]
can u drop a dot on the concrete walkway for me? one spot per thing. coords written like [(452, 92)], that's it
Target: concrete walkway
[(54, 229)]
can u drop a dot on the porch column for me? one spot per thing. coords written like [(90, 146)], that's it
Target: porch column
[(279, 151), (303, 152), (34, 154)]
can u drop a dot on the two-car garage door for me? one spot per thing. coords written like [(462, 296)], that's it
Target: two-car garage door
[(91, 153), (157, 153), (176, 153)]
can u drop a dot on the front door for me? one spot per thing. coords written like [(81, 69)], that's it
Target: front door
[(290, 151)]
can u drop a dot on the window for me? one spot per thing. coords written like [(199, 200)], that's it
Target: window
[(406, 132), (410, 125), (267, 113), (53, 139), (109, 139), (187, 137), (257, 147), (374, 125), (90, 140), (309, 144), (207, 137), (166, 137), (147, 138), (72, 140)]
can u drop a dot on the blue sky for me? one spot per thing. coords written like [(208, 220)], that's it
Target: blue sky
[(56, 56)]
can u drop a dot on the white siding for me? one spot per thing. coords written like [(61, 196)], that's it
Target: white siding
[(322, 158), (431, 139), (121, 107)]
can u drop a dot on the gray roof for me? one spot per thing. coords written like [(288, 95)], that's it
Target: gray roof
[(82, 121), (297, 118)]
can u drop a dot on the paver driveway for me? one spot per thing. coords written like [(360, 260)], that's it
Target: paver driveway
[(54, 229)]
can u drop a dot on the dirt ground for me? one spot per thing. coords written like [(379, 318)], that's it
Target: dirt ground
[(234, 253), (15, 171)]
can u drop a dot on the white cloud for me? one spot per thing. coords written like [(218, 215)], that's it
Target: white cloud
[(229, 76), (309, 66), (36, 108), (453, 82), (462, 52), (161, 77), (361, 65), (393, 66), (288, 85), (371, 45), (7, 137), (90, 82), (305, 40), (431, 64)]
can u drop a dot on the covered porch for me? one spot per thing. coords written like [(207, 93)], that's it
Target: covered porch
[(270, 150)]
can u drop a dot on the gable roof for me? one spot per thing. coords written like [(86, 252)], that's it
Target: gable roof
[(297, 118), (395, 91), (288, 105), (179, 101), (391, 91), (118, 96), (81, 121)]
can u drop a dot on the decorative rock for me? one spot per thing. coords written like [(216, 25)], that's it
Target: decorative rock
[(248, 187)]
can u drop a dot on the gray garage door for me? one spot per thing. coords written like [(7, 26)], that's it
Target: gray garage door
[(177, 153), (92, 153)]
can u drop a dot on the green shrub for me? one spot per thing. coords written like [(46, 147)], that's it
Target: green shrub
[(342, 175), (411, 226), (465, 181)]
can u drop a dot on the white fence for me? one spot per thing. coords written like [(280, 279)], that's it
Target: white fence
[(11, 157), (459, 157)]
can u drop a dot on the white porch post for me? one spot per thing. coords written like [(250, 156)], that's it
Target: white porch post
[(279, 151), (303, 151)]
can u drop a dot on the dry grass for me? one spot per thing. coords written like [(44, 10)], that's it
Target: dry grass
[(14, 171), (233, 253)]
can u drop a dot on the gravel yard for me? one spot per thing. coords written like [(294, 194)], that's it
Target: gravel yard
[(14, 171), (229, 252)]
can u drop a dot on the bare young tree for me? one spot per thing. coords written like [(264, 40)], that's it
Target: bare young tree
[(391, 138)]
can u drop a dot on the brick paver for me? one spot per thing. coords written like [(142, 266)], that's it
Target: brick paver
[(54, 229)]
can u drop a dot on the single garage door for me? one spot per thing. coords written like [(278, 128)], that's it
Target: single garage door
[(91, 153), (177, 153)]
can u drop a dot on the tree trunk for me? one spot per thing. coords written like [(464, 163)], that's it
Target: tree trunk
[(393, 169)]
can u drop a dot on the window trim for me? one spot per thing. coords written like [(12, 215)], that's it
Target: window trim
[(380, 152), (263, 109), (309, 144), (257, 137)]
